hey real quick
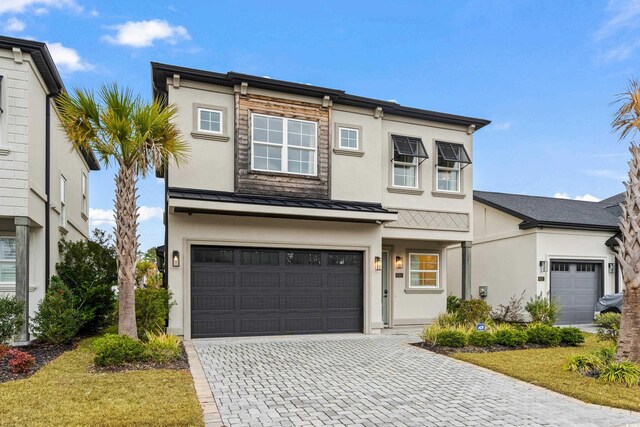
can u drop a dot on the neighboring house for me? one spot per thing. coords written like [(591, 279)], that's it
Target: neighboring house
[(304, 209), (543, 246), (44, 184)]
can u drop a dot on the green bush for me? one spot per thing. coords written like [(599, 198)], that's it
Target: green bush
[(606, 354), (11, 317), (543, 310), (623, 372), (116, 350), (571, 336), (453, 303), (447, 320), (608, 326), (451, 338), (162, 348), (539, 333), (584, 363), (473, 311), (89, 270), (510, 336), (57, 320), (152, 309), (481, 339)]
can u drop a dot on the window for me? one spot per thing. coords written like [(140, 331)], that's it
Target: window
[(348, 138), (424, 271), (450, 157), (85, 204), (303, 258), (406, 154), (559, 266), (7, 260), (209, 120), (585, 268), (63, 202), (345, 259), (260, 258), (283, 145), (216, 256)]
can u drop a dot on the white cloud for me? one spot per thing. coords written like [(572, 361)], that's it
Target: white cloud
[(561, 196), (606, 173), (106, 216), (501, 126), (585, 197), (68, 59), (145, 33), (38, 6), (147, 213), (14, 25), (624, 15)]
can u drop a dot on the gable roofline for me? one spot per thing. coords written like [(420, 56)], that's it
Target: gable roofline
[(160, 72)]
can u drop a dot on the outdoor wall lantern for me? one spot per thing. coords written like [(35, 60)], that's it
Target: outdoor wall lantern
[(175, 259), (543, 266), (399, 263), (612, 268), (377, 263)]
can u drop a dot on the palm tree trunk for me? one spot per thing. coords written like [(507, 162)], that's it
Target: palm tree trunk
[(126, 249), (629, 258)]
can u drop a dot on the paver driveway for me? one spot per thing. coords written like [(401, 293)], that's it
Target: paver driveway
[(375, 380)]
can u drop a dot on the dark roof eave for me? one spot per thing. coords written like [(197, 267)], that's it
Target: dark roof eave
[(526, 225), (41, 58), (161, 71)]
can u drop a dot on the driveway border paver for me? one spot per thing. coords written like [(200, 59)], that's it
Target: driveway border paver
[(210, 411)]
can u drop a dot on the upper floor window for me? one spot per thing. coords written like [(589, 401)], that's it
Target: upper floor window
[(450, 158), (283, 145), (209, 120), (7, 260), (85, 184), (63, 202), (407, 155), (348, 139)]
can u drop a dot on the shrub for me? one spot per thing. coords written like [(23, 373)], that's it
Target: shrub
[(571, 336), (543, 310), (510, 336), (447, 320), (451, 338), (162, 348), (539, 333), (453, 303), (512, 312), (473, 311), (89, 270), (481, 339), (116, 350), (430, 333), (606, 354), (624, 372), (57, 320), (608, 326), (4, 351), (152, 309), (584, 363), (20, 362), (11, 320)]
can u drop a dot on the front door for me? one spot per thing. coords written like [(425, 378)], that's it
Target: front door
[(385, 288)]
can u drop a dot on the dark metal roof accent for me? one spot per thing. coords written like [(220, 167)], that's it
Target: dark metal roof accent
[(160, 72), (292, 202), (408, 146), (550, 212), (451, 152)]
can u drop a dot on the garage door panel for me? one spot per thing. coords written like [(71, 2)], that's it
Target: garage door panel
[(210, 279), (213, 327), (214, 303), (259, 302), (259, 326), (344, 280), (260, 279), (576, 287), (302, 302), (303, 280)]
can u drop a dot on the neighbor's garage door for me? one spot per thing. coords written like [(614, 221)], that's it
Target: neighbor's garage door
[(576, 287), (248, 291)]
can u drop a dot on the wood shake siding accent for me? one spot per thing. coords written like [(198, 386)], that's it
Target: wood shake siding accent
[(274, 183)]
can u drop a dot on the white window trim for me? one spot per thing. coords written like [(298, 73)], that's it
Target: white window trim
[(212, 110), (284, 160), (13, 261), (438, 285), (393, 174), (84, 200), (63, 201), (342, 147)]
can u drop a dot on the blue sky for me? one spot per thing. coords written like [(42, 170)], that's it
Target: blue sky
[(545, 72)]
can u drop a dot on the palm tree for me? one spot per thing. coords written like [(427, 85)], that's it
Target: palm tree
[(627, 123), (136, 137)]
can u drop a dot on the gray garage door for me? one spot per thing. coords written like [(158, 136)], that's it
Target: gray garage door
[(576, 286), (248, 291)]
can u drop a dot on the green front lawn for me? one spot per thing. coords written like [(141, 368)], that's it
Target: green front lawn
[(544, 367), (65, 393)]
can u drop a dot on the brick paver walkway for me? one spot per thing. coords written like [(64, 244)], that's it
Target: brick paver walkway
[(361, 380)]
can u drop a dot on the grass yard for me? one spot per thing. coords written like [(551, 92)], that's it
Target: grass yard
[(544, 367), (66, 393)]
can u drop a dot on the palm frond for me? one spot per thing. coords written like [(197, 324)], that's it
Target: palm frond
[(627, 118)]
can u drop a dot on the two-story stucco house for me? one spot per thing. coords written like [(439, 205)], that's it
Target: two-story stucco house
[(44, 183), (305, 209)]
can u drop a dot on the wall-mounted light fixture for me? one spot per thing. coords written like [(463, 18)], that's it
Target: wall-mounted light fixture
[(399, 263), (175, 259), (612, 268), (543, 266), (377, 263)]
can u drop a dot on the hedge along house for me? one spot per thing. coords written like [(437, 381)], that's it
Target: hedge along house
[(44, 182), (557, 248), (304, 209)]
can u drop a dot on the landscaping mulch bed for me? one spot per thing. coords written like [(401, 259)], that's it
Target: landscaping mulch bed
[(469, 349), (42, 352), (180, 363)]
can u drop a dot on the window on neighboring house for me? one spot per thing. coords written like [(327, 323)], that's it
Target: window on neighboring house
[(424, 271), (450, 157), (7, 260), (85, 204), (283, 145), (63, 202), (348, 139), (209, 120), (408, 153)]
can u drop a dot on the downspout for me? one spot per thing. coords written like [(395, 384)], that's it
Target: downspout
[(47, 190)]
